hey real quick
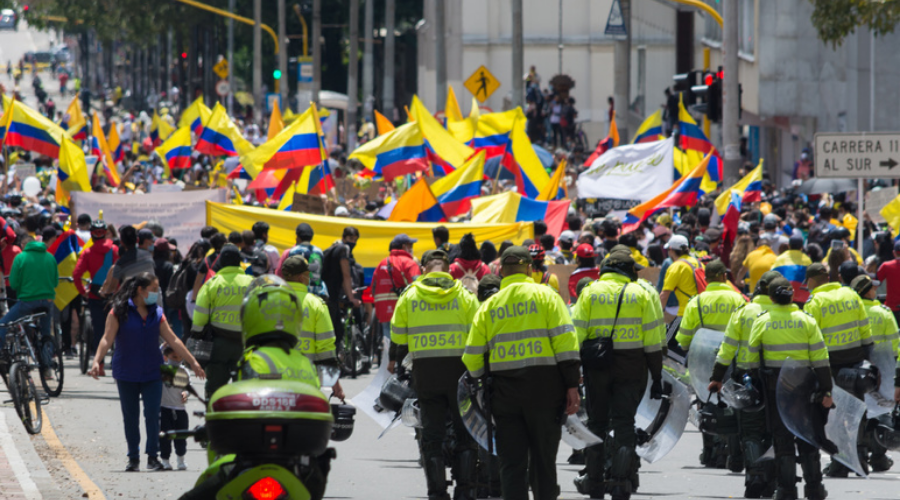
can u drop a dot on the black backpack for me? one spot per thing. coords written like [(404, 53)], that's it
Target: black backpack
[(178, 288)]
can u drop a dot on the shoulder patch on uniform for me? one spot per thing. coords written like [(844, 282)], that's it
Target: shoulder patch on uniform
[(316, 297), (808, 314), (762, 313), (886, 308), (741, 307)]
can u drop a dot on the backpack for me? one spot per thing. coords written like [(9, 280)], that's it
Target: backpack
[(178, 288), (469, 280), (699, 276)]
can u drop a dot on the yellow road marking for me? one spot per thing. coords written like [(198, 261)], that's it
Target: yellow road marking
[(93, 491)]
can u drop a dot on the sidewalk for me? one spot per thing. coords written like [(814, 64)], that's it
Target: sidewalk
[(22, 473)]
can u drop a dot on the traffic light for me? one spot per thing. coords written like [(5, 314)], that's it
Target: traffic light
[(277, 74), (184, 55), (684, 84), (709, 95)]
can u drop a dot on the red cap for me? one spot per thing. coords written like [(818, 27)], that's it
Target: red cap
[(585, 251)]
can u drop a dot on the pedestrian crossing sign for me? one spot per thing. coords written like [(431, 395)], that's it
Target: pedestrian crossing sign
[(482, 84)]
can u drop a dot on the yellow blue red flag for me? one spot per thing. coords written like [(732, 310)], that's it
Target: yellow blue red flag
[(73, 121), (160, 130), (65, 250), (456, 191), (750, 189), (100, 149), (399, 152), (195, 116), (445, 153), (418, 205), (513, 207), (221, 137), (684, 193), (651, 130), (175, 152), (28, 129)]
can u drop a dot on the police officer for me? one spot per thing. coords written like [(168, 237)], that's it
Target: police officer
[(759, 477), (526, 334), (884, 329), (219, 310), (316, 333), (780, 333), (844, 323), (431, 322), (615, 307), (713, 309)]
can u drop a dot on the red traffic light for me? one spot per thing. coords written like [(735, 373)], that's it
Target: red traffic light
[(25, 8), (720, 75), (184, 55), (708, 79)]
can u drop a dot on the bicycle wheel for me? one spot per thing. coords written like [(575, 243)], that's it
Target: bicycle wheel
[(52, 376), (84, 344), (25, 398)]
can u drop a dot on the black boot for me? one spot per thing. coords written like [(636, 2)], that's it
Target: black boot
[(815, 492), (786, 478), (436, 479), (619, 486)]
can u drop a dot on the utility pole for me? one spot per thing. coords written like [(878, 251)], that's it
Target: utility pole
[(731, 134), (518, 55), (257, 60), (352, 78), (284, 82), (622, 78), (368, 60), (230, 98), (560, 43), (317, 49), (168, 84), (387, 99), (440, 57)]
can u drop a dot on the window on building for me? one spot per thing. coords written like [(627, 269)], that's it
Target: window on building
[(713, 31), (746, 22)]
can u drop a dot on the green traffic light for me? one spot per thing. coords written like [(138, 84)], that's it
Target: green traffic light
[(277, 74)]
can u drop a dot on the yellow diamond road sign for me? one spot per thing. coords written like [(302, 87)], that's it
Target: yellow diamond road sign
[(482, 84), (221, 69)]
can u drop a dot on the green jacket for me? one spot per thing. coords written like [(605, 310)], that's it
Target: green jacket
[(34, 274)]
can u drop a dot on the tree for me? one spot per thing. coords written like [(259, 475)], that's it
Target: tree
[(836, 19)]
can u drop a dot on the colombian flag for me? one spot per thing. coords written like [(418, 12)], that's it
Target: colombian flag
[(32, 131), (512, 207), (750, 189), (73, 121), (115, 143), (276, 124), (72, 173), (650, 130), (399, 152), (611, 141), (418, 205), (455, 191), (444, 151), (684, 193), (523, 162), (195, 116), (159, 130), (556, 189), (792, 265), (100, 149), (296, 146), (221, 137), (176, 150), (492, 133), (65, 249)]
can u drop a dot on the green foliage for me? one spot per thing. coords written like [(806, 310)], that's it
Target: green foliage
[(836, 19)]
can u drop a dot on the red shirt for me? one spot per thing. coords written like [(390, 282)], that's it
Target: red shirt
[(396, 271), (584, 272), (890, 272), (96, 261), (459, 267)]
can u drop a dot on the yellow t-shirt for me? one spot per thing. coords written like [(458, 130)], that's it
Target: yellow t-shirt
[(758, 262), (680, 280), (552, 281)]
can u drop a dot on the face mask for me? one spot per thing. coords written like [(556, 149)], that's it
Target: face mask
[(351, 245), (151, 299)]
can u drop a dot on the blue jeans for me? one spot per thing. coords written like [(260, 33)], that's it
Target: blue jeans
[(130, 394), (20, 310)]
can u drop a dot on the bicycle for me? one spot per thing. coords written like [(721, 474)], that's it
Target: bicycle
[(85, 333), (51, 372), (22, 359), (354, 352)]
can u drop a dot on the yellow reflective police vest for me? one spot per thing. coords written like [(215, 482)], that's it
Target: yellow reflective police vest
[(433, 316), (316, 339), (883, 323), (522, 325), (274, 363), (711, 309), (638, 326), (219, 302), (840, 314), (785, 332), (735, 345)]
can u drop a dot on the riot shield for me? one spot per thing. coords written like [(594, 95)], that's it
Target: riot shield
[(470, 401), (838, 436), (576, 434), (701, 359), (674, 352), (881, 402), (367, 400), (664, 419), (410, 415)]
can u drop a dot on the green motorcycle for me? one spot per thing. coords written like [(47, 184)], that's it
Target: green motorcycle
[(267, 439)]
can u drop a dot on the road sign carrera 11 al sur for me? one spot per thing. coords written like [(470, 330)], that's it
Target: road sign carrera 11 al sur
[(859, 155)]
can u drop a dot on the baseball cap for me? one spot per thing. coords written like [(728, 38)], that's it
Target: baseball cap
[(780, 282), (712, 234), (660, 230), (762, 286), (715, 268), (619, 257), (341, 212), (677, 242), (516, 255), (163, 244), (849, 270), (430, 255), (816, 269), (585, 251), (770, 221), (402, 239), (294, 265), (145, 234), (862, 284), (570, 236)]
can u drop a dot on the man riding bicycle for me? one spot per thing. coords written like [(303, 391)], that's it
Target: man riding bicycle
[(96, 260), (34, 278)]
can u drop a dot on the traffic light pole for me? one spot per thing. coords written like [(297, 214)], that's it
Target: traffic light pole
[(731, 133), (282, 55)]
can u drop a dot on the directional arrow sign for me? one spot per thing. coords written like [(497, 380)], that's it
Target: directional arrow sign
[(863, 155)]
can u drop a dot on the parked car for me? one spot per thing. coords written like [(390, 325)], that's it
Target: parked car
[(9, 20)]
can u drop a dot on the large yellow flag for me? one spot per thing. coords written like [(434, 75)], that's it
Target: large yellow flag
[(276, 124)]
